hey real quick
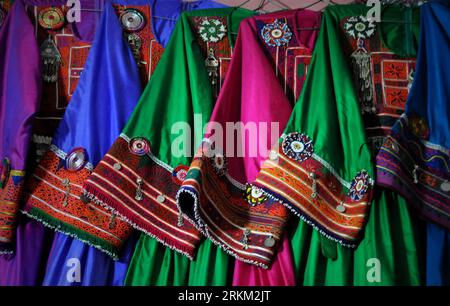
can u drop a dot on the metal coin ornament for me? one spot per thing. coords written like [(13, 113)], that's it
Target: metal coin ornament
[(212, 30), (76, 159), (132, 20), (212, 65), (51, 18), (139, 146), (2, 16), (269, 241), (51, 60), (5, 169)]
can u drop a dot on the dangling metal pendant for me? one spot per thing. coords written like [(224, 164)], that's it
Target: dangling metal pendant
[(212, 65), (410, 79), (51, 59), (135, 43), (361, 69)]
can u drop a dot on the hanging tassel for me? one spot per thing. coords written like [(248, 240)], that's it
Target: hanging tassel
[(245, 240), (212, 65), (66, 184), (51, 60), (414, 173), (361, 69), (312, 176), (112, 221), (139, 196), (180, 219)]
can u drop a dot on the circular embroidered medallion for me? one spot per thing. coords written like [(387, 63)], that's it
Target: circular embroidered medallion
[(276, 34), (359, 186), (359, 27), (139, 146), (76, 159), (5, 169), (2, 16), (212, 30), (254, 195), (51, 18), (132, 20), (219, 163), (179, 174), (297, 146), (419, 126)]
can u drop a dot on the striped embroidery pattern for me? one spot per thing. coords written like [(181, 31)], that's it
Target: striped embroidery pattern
[(10, 195), (418, 170), (222, 213), (323, 202), (53, 197), (154, 209)]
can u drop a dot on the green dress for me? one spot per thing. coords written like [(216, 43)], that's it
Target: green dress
[(141, 173), (356, 88)]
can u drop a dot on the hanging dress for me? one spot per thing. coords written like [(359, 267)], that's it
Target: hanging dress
[(20, 95), (323, 167), (266, 73), (179, 97), (414, 160), (110, 76)]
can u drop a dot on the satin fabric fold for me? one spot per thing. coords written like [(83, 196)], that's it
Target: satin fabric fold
[(390, 250), (20, 97), (108, 90)]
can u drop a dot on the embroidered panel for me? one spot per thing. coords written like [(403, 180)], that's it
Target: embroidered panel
[(74, 52), (244, 222), (10, 191), (53, 197), (416, 168), (142, 190), (383, 80), (291, 60), (313, 191), (211, 35)]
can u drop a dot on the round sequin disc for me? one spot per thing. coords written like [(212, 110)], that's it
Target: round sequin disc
[(76, 159), (132, 20)]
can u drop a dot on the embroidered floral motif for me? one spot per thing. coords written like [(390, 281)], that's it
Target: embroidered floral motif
[(212, 30), (276, 34), (76, 159), (297, 146), (359, 27), (139, 146), (220, 163), (419, 126), (179, 174), (359, 186), (254, 195), (51, 18)]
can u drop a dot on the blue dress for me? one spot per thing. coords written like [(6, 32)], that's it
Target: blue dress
[(414, 159)]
